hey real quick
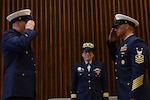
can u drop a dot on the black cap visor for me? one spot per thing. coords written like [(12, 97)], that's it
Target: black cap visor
[(120, 22), (87, 50), (22, 18)]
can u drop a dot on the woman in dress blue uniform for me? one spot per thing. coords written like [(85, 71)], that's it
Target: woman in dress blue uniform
[(131, 60), (19, 69), (89, 78)]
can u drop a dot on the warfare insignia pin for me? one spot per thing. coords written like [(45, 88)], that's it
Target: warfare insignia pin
[(123, 48), (97, 71), (139, 57)]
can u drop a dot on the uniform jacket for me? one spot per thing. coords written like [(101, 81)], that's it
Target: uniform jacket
[(19, 72), (131, 60), (89, 85)]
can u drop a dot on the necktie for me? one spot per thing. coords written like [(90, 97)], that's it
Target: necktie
[(88, 67)]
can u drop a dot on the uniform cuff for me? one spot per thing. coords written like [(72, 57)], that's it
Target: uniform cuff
[(73, 95), (105, 94)]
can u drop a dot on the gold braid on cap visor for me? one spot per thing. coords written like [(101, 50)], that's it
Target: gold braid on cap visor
[(88, 45)]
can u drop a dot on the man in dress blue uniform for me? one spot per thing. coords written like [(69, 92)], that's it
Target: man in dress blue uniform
[(19, 69), (131, 60), (89, 78)]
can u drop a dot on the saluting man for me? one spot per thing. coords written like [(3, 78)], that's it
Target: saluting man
[(131, 60), (89, 77), (19, 68)]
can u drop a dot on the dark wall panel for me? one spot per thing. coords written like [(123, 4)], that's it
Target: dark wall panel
[(62, 26)]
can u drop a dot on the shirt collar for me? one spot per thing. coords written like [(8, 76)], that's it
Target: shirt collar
[(90, 62), (128, 36)]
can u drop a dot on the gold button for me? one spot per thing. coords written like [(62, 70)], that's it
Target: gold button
[(89, 81), (122, 62), (116, 56), (34, 71), (26, 52), (128, 83), (23, 74), (115, 63), (31, 58), (115, 70), (116, 78), (89, 88), (34, 65), (89, 75)]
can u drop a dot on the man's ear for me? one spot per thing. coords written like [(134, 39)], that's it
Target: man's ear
[(82, 54), (16, 23), (127, 26)]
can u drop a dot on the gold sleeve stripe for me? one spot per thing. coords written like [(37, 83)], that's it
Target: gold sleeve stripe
[(137, 82), (105, 94), (73, 95)]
